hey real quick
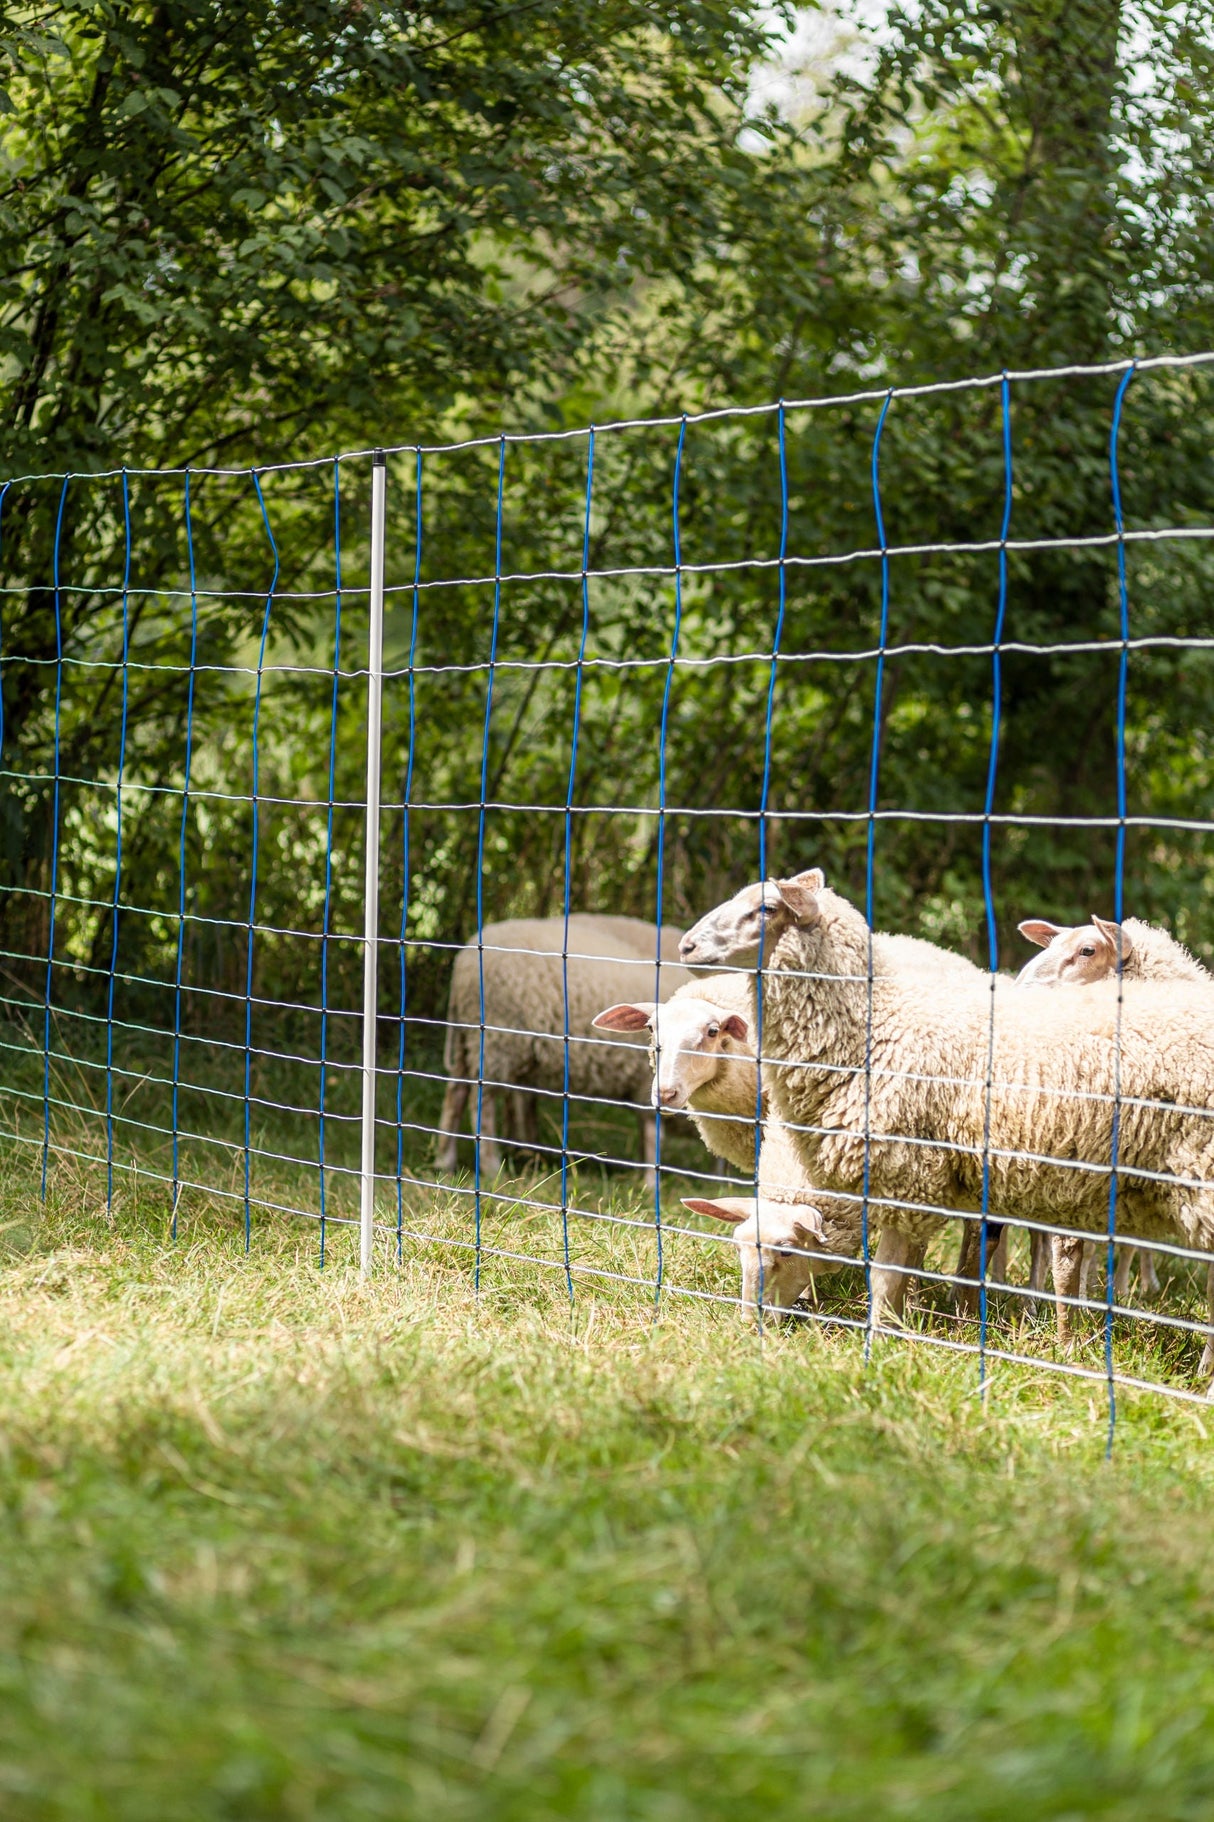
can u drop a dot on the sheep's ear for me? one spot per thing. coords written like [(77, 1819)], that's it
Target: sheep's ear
[(800, 898), (807, 1226), (813, 879), (1116, 936), (626, 1018), (725, 1208), (1039, 932), (736, 1027)]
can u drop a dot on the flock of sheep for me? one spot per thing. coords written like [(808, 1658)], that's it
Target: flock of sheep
[(896, 1077)]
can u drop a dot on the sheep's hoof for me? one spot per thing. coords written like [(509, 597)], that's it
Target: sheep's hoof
[(1207, 1361)]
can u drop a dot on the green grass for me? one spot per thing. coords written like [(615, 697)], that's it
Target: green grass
[(275, 1542)]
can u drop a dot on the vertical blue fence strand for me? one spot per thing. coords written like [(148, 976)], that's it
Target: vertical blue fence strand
[(326, 923), (480, 844), (869, 875), (185, 813), (992, 933), (661, 868), (109, 999), (764, 796), (50, 934), (248, 991), (405, 866), (1123, 605), (577, 723)]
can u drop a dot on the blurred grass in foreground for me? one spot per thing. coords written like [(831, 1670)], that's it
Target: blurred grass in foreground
[(278, 1543)]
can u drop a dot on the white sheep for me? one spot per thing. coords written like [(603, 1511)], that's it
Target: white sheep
[(783, 1239), (703, 1054), (895, 1071), (609, 959), (1079, 955), (702, 1058), (704, 1063)]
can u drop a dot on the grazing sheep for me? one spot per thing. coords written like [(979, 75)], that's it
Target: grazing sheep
[(1079, 955), (609, 959), (783, 1239), (1059, 1064)]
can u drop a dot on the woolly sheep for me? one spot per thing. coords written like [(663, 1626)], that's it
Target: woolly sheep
[(609, 958), (923, 1098), (701, 1048), (1079, 955), (704, 1063)]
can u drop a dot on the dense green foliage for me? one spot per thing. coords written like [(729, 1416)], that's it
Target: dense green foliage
[(271, 232), (280, 1544)]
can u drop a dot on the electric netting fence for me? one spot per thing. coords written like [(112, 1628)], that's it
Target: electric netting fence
[(308, 870)]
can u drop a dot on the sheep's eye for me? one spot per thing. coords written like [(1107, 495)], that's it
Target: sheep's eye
[(714, 1031), (785, 1255), (1088, 951)]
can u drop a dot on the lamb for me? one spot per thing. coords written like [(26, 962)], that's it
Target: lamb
[(1079, 955), (1059, 1064), (609, 958)]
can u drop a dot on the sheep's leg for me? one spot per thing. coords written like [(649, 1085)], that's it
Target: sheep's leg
[(970, 1258), (649, 1145), (490, 1151), (996, 1264), (526, 1118), (1068, 1270), (1085, 1268), (1039, 1265), (965, 1295), (1121, 1275), (888, 1276), (915, 1258), (1148, 1275), (454, 1102), (1207, 1358)]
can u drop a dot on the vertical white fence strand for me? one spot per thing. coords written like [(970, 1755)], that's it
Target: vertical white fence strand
[(375, 703)]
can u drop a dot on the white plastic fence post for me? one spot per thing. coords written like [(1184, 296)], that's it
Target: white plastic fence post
[(375, 703)]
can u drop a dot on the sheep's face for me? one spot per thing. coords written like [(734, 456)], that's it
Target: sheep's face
[(688, 1038), (776, 1242), (752, 922), (1073, 956)]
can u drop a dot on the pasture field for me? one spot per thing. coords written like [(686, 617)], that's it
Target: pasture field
[(277, 1543)]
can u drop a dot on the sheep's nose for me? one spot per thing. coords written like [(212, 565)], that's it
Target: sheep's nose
[(687, 947), (667, 1097)]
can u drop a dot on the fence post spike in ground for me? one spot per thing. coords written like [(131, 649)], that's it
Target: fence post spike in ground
[(375, 704)]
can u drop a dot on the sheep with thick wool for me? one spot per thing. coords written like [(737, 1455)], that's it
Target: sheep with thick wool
[(609, 958), (702, 1052), (896, 1068), (1079, 955), (704, 1063)]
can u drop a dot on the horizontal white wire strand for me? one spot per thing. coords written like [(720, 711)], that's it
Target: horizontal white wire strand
[(871, 395)]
